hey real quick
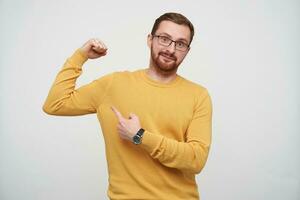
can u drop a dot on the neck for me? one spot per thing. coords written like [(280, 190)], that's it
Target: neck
[(160, 76)]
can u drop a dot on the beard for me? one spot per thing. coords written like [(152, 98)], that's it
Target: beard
[(164, 62)]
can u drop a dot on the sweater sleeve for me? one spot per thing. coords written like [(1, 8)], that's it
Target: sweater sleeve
[(191, 155), (64, 99)]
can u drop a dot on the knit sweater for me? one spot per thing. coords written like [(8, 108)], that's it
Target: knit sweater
[(176, 116)]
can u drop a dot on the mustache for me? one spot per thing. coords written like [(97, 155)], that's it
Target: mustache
[(171, 56)]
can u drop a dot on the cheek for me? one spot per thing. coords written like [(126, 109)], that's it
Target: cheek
[(155, 51), (180, 57)]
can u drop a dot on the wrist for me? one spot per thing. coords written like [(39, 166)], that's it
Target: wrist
[(137, 138), (83, 53), (78, 58)]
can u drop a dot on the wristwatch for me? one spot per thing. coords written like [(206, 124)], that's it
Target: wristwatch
[(137, 138)]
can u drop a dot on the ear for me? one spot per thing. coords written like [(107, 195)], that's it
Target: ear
[(149, 40)]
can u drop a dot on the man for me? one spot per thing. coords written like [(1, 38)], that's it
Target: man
[(156, 124)]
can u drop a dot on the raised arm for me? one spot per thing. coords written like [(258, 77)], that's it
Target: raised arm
[(63, 98)]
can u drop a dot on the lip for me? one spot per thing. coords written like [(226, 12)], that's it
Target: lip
[(168, 57)]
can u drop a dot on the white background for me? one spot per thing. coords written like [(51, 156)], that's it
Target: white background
[(246, 52)]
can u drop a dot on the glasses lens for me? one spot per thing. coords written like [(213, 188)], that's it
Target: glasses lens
[(164, 40)]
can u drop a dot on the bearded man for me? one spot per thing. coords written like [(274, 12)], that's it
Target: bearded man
[(155, 123)]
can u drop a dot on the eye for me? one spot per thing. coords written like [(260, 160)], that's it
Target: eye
[(164, 39), (181, 44)]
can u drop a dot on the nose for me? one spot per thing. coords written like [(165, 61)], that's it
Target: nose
[(171, 47)]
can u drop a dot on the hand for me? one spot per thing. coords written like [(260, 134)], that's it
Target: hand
[(94, 48), (127, 128)]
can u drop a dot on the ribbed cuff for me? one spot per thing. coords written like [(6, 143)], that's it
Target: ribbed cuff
[(78, 58), (151, 142)]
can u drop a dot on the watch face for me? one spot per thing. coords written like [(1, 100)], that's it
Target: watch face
[(136, 139)]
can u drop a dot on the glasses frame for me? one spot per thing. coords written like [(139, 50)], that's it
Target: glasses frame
[(171, 41)]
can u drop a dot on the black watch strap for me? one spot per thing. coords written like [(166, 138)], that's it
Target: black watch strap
[(137, 138), (140, 132)]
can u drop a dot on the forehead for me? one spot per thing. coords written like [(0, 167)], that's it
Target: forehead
[(176, 31)]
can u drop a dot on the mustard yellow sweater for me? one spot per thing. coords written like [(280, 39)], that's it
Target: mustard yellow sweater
[(176, 117)]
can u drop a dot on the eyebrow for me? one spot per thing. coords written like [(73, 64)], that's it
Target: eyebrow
[(180, 39)]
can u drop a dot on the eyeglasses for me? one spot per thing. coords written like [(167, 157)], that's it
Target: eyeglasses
[(165, 41)]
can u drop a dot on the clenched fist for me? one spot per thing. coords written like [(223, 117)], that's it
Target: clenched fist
[(94, 48)]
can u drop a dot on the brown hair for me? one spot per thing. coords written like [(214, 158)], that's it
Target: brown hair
[(176, 18)]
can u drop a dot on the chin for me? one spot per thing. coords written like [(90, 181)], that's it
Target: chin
[(165, 67), (162, 65)]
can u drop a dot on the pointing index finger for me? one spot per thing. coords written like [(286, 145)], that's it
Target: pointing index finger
[(117, 113)]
